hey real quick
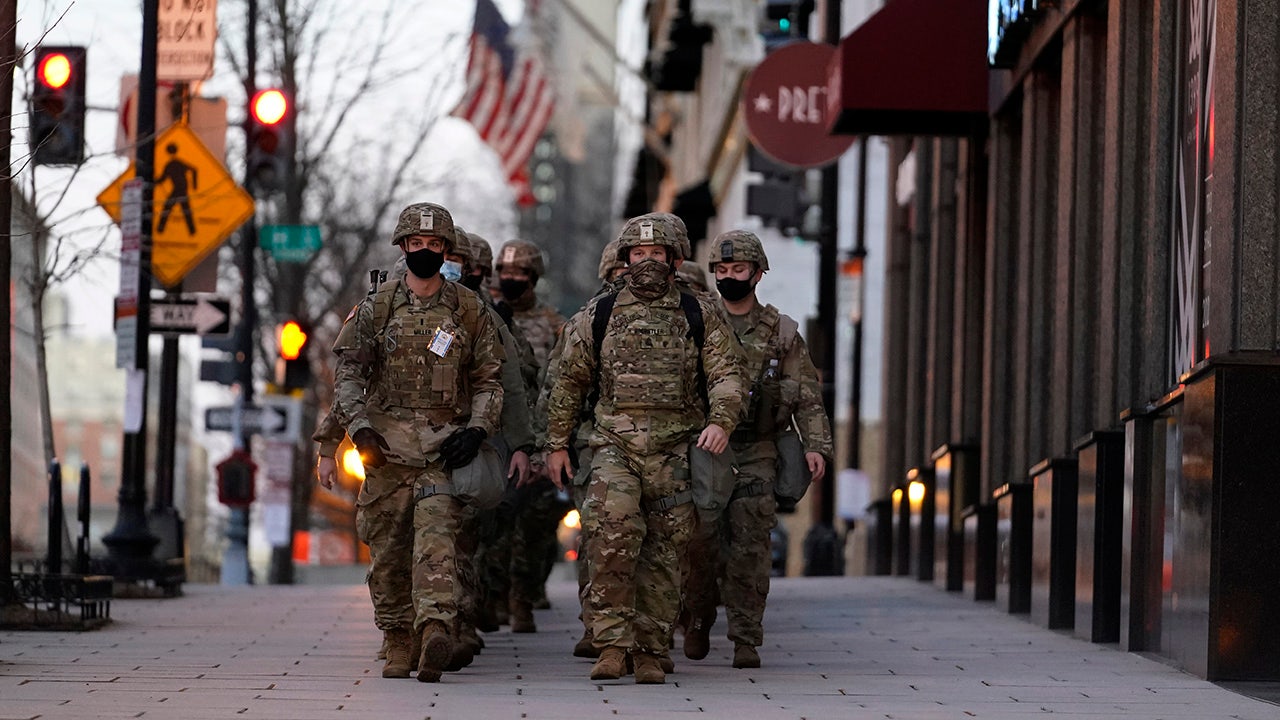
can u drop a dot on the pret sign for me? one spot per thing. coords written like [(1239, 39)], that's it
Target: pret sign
[(784, 102)]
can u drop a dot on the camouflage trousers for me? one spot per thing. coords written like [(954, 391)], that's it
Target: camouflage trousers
[(634, 549), (470, 592), (733, 555), (581, 564), (408, 540), (533, 540)]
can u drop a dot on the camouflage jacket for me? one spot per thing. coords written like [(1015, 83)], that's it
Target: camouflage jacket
[(540, 324), (784, 382), (433, 367), (647, 375)]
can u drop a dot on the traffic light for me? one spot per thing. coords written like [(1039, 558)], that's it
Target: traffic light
[(269, 143), (293, 370), (785, 20), (56, 108), (779, 198)]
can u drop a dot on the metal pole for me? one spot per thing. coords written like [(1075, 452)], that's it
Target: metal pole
[(8, 57), (821, 548), (82, 514), (130, 543), (53, 550), (859, 254), (235, 560)]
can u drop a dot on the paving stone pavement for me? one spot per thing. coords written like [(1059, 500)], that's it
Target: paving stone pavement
[(835, 648)]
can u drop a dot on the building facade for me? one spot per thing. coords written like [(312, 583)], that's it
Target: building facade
[(1082, 317)]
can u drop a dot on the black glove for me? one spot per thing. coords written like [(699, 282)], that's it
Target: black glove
[(461, 447), (370, 444)]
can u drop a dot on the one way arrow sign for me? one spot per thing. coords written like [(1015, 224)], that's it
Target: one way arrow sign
[(276, 417), (197, 314)]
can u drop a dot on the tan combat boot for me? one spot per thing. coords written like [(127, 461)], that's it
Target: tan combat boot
[(437, 650), (648, 669), (610, 665), (522, 617), (697, 639), (664, 659), (399, 643), (585, 648), (745, 656)]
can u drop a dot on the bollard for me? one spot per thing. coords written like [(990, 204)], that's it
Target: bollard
[(53, 558), (82, 514)]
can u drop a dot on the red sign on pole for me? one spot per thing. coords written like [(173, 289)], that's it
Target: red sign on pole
[(784, 102)]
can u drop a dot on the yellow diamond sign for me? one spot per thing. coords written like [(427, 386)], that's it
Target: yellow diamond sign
[(197, 204)]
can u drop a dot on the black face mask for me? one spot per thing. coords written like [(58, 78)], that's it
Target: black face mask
[(513, 289), (424, 263), (733, 289), (473, 281)]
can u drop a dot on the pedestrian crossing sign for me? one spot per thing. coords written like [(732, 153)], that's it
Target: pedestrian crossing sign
[(196, 204)]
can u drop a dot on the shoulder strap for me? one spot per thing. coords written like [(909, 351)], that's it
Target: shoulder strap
[(382, 300), (693, 313), (600, 322), (788, 330)]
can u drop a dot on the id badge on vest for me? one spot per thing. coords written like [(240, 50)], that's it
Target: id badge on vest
[(440, 342)]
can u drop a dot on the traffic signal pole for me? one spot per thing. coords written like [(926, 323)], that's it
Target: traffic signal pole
[(235, 559), (8, 58), (130, 543)]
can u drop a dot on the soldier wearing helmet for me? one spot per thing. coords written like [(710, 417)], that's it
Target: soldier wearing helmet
[(519, 265), (637, 354), (418, 388), (784, 386)]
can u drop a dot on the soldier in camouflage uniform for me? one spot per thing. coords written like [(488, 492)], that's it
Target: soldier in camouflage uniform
[(611, 272), (418, 388), (645, 376), (515, 438), (533, 545), (784, 393)]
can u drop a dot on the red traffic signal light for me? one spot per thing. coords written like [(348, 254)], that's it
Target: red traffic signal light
[(56, 106), (269, 107), (54, 70), (267, 134)]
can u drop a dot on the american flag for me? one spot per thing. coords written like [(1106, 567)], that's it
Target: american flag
[(509, 98)]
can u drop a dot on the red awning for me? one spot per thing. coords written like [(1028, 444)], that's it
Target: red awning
[(915, 67)]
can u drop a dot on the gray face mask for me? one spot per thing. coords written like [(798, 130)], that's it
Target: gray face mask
[(451, 271)]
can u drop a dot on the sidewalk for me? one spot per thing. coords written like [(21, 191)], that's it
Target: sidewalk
[(836, 648)]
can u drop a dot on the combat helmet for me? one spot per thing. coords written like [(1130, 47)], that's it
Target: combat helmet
[(520, 255), (694, 276), (648, 229), (737, 246), (682, 233), (426, 219), (609, 260), (462, 246), (481, 252)]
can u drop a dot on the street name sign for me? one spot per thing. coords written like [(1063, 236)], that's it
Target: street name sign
[(196, 204), (290, 243), (277, 417), (187, 315)]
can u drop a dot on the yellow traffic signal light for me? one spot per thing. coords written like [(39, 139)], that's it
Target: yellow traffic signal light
[(293, 370), (292, 339)]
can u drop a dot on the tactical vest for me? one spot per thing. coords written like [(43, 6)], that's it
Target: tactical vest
[(645, 355), (411, 374)]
